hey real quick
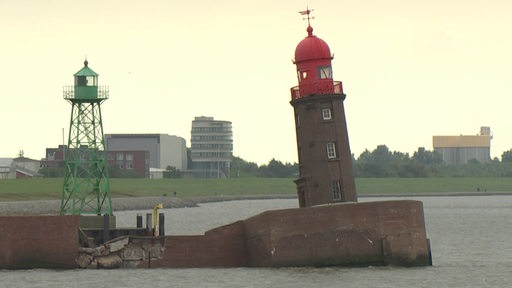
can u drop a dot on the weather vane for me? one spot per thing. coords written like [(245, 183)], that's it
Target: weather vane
[(307, 12)]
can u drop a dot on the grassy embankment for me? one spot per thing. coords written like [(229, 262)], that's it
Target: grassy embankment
[(38, 189)]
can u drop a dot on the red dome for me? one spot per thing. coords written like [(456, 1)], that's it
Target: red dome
[(311, 48)]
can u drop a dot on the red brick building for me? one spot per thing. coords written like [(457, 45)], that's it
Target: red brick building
[(121, 162), (135, 161)]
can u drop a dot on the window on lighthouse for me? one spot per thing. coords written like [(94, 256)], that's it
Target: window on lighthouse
[(326, 114), (325, 72), (81, 81), (301, 75), (336, 190), (85, 81), (91, 81), (331, 150)]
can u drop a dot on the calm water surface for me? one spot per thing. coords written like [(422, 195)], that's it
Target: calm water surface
[(470, 239)]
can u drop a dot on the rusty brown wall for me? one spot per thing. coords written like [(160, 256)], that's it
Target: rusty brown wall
[(387, 232), (221, 247), (38, 241), (403, 232), (384, 232)]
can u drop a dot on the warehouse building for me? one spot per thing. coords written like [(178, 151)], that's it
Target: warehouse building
[(460, 149)]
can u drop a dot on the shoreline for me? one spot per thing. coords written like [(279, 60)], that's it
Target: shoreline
[(51, 207)]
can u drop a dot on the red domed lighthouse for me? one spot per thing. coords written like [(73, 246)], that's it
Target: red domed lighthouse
[(325, 161)]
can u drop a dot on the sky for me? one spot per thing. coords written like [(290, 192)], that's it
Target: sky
[(410, 69)]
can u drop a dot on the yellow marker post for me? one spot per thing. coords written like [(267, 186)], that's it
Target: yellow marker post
[(155, 218)]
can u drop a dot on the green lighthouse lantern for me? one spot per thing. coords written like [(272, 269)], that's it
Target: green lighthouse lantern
[(86, 83), (86, 188)]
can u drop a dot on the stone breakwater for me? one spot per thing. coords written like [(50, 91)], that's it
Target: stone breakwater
[(51, 207)]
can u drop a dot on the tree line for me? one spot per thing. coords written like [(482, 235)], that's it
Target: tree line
[(382, 162)]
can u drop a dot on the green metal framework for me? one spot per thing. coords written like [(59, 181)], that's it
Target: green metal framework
[(86, 188)]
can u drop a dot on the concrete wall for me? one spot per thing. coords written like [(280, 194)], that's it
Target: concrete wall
[(38, 242)]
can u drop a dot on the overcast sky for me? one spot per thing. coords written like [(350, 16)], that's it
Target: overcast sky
[(410, 69)]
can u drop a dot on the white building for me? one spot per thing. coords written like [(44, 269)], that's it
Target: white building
[(7, 168), (211, 147), (164, 150)]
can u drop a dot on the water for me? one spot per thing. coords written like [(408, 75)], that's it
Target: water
[(470, 239)]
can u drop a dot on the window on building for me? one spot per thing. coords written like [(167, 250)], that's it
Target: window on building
[(129, 161), (120, 160), (336, 190), (325, 72), (326, 114), (331, 150)]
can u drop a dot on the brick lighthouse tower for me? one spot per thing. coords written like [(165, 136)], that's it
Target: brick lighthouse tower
[(325, 161)]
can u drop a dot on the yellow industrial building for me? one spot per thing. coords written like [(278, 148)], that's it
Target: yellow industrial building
[(462, 148)]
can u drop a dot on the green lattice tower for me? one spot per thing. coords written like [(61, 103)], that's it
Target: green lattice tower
[(86, 188)]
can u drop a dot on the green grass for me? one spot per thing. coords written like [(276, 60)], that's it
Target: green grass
[(39, 189), (383, 186)]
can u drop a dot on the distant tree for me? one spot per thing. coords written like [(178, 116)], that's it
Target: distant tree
[(381, 162), (506, 157), (425, 163), (189, 158), (240, 167), (427, 157), (277, 169), (172, 172)]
